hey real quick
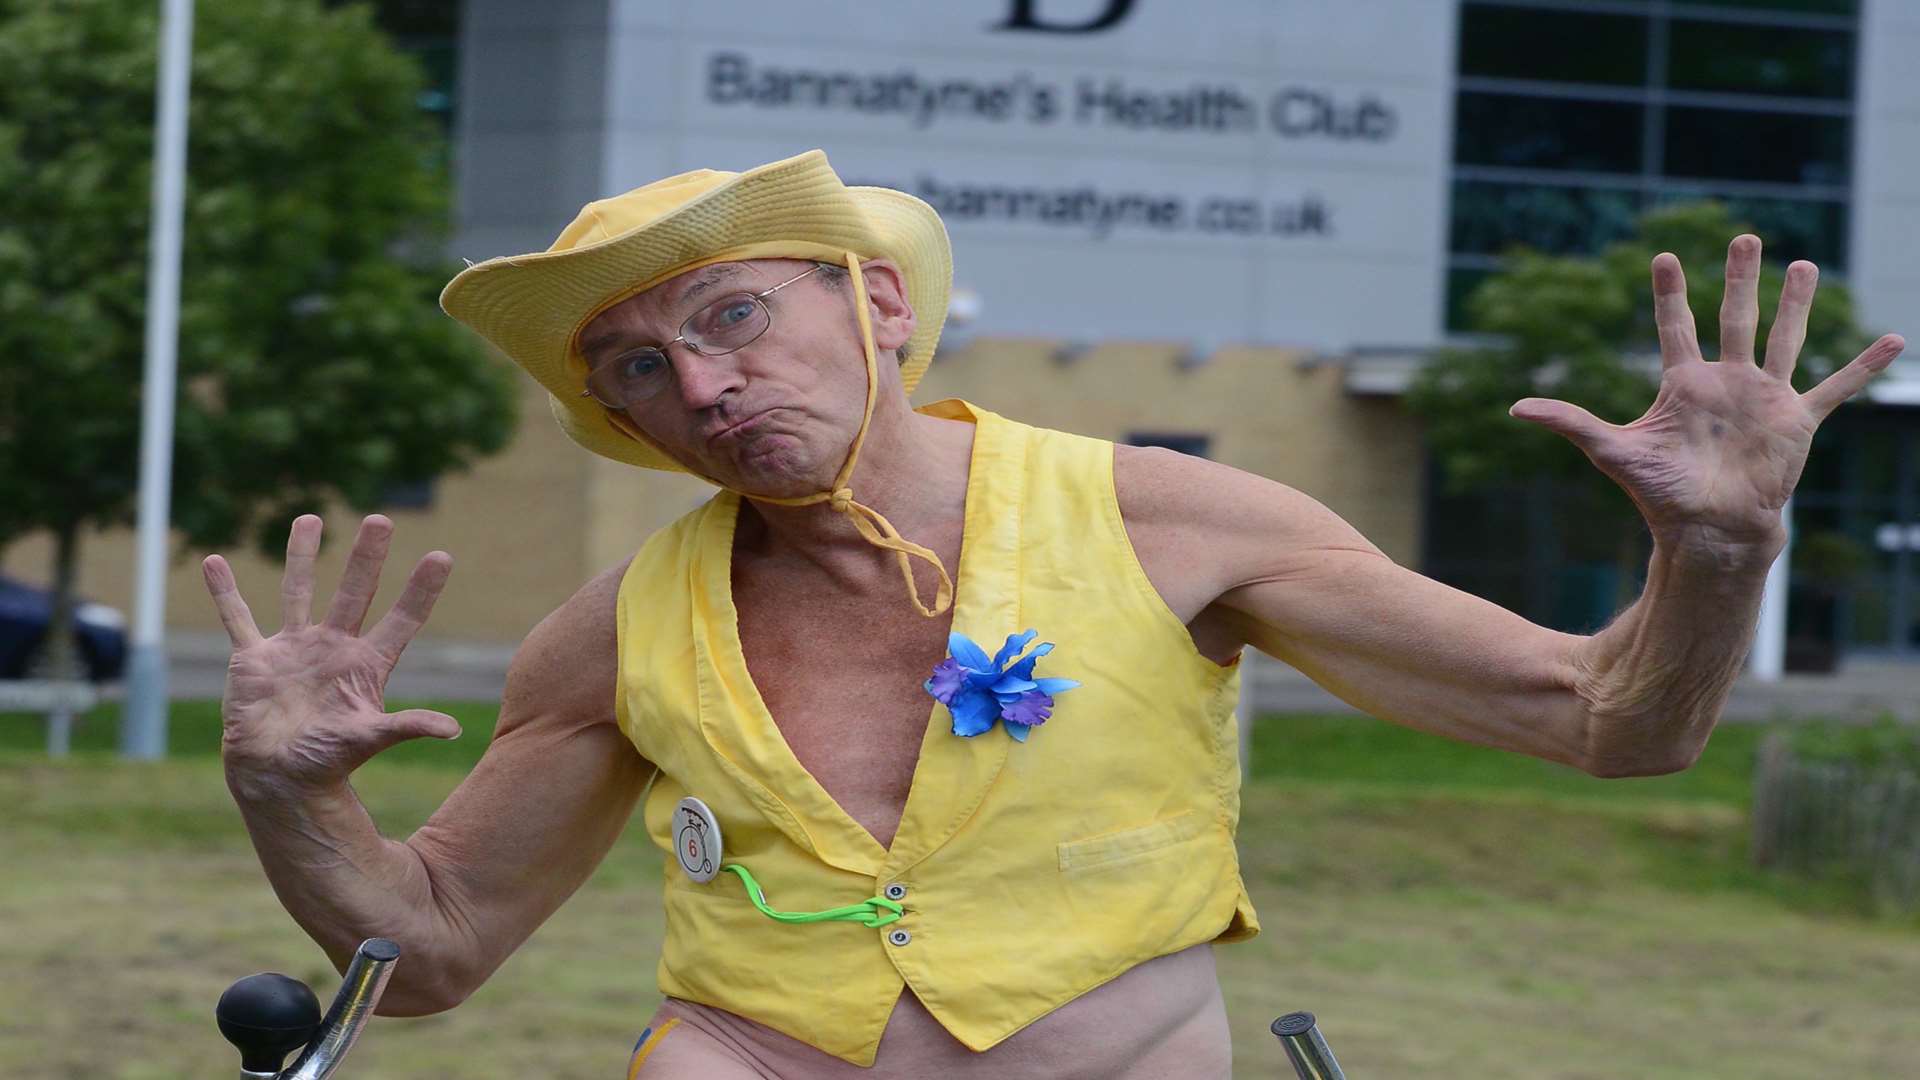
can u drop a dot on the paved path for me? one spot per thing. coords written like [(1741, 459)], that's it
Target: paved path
[(441, 670)]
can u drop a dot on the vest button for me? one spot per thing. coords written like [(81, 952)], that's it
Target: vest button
[(899, 937), (896, 890)]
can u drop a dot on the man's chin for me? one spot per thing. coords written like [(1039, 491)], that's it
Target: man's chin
[(774, 468)]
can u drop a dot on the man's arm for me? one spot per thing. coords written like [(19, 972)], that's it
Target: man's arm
[(549, 798), (523, 830), (1709, 466), (1280, 572)]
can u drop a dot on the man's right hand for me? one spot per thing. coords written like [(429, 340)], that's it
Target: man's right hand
[(304, 708)]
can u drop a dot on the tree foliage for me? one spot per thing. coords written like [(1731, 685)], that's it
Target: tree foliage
[(1580, 328), (313, 362)]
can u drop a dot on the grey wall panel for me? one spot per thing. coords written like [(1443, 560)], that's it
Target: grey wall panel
[(532, 130), (1262, 171), (1885, 255)]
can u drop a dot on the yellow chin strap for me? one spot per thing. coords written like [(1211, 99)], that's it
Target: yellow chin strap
[(874, 527)]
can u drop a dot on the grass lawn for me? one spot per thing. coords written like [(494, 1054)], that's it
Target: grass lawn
[(1446, 911)]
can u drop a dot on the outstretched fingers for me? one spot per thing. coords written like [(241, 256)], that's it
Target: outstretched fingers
[(1740, 304), (1679, 338), (296, 584), (234, 613), (361, 580), (1843, 384), (409, 613), (1789, 333)]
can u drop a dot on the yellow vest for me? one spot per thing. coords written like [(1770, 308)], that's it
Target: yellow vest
[(1033, 872)]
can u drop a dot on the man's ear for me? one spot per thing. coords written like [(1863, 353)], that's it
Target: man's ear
[(887, 304)]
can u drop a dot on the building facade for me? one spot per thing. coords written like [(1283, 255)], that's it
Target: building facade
[(1231, 228)]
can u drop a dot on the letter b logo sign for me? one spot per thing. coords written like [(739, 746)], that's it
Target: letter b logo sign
[(1026, 17)]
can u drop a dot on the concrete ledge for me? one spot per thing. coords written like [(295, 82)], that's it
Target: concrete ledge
[(425, 654), (1861, 690), (45, 695), (476, 671)]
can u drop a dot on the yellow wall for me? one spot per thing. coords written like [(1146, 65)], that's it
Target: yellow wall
[(527, 527), (513, 525)]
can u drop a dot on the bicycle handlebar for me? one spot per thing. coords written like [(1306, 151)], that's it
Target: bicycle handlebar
[(1311, 1056), (268, 1014)]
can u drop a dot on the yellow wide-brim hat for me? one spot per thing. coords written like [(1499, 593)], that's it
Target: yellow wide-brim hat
[(532, 307)]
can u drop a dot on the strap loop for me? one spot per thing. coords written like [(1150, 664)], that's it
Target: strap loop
[(876, 912), (874, 528)]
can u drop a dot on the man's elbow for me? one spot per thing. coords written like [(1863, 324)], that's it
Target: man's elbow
[(417, 1001), (435, 973), (1619, 762), (427, 989)]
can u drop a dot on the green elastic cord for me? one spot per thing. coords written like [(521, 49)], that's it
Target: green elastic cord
[(878, 911)]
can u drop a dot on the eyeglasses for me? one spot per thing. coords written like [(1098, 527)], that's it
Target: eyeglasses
[(728, 324)]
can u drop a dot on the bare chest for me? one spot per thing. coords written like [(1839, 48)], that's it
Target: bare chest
[(842, 676)]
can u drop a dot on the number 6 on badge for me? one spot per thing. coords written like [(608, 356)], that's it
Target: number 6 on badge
[(696, 839)]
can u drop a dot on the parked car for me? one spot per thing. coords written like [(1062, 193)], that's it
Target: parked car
[(26, 613)]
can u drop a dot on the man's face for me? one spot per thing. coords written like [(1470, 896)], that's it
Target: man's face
[(776, 416)]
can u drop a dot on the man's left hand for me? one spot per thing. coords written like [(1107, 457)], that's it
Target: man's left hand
[(1721, 448)]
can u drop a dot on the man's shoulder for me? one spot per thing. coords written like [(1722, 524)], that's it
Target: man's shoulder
[(1155, 485), (568, 664), (1242, 523)]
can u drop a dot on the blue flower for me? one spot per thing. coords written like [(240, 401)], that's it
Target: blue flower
[(978, 689)]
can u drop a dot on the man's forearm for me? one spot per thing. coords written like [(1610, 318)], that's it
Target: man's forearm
[(343, 882), (1654, 681)]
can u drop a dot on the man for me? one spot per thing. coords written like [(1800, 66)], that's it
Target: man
[(996, 866)]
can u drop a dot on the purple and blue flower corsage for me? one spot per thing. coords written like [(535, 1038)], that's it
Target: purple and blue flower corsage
[(978, 690)]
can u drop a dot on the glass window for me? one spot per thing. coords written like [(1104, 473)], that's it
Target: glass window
[(1826, 479), (1810, 7), (1564, 46), (441, 61), (429, 31), (1735, 144), (1740, 59), (1196, 445), (1461, 281), (1878, 460), (1791, 229), (1489, 218), (414, 18), (408, 496), (1794, 229), (1547, 133)]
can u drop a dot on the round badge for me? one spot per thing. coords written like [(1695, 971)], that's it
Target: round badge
[(696, 839)]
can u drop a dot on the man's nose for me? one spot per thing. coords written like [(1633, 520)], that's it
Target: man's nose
[(701, 380)]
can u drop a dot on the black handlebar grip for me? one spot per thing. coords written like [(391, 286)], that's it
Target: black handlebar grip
[(1294, 1023), (266, 1015)]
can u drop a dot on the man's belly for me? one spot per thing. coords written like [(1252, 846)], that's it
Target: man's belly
[(1164, 1018)]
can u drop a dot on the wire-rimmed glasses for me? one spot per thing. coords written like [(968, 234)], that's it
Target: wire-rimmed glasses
[(729, 323)]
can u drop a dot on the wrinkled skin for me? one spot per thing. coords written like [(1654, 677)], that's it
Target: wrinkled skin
[(800, 374), (1723, 444), (305, 707)]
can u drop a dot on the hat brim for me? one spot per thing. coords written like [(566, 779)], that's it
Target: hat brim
[(530, 307)]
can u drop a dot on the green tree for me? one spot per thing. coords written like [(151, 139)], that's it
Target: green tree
[(1580, 328), (314, 364)]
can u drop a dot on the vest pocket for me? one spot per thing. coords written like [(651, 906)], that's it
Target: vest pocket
[(1129, 845)]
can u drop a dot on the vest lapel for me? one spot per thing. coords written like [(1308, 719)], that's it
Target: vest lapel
[(955, 773), (736, 723)]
